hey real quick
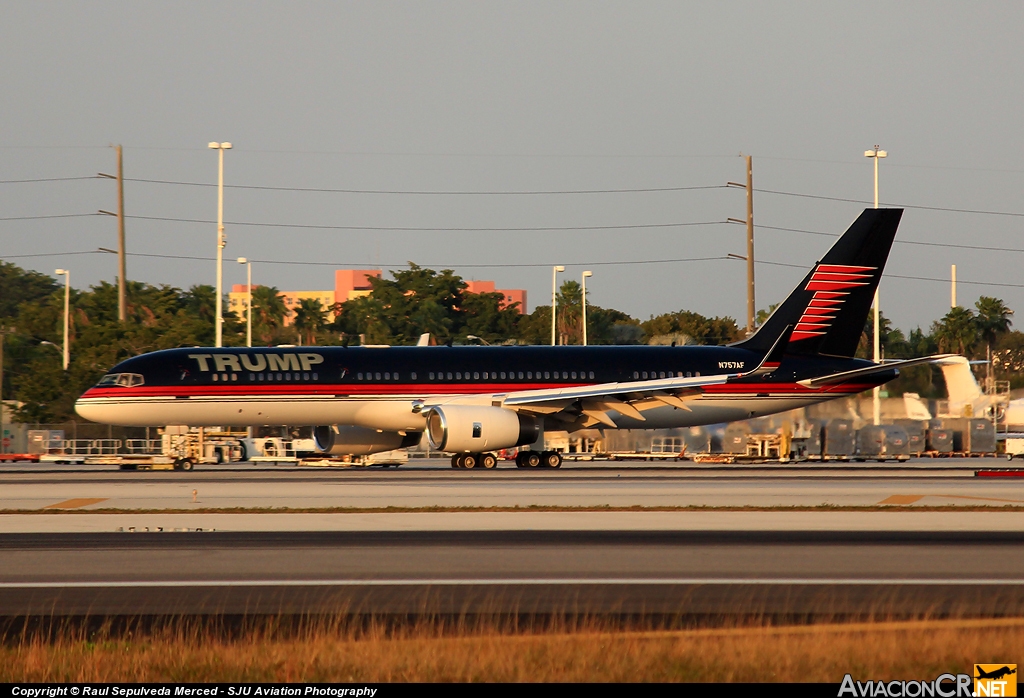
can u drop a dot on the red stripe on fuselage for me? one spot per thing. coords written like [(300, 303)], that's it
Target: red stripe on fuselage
[(300, 390)]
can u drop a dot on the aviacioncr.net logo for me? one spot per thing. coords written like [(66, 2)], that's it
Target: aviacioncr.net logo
[(943, 686)]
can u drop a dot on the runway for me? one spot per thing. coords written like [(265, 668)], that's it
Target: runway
[(813, 542), (435, 484), (643, 572)]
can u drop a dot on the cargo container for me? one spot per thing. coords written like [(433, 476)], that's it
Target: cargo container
[(882, 442), (697, 440), (735, 438), (915, 429), (940, 441), (840, 439)]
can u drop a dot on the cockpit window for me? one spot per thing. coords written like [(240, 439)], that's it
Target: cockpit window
[(125, 380)]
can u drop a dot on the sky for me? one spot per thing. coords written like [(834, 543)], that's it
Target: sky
[(450, 124)]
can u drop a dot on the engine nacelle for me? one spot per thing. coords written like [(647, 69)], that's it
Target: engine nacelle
[(473, 429), (343, 440)]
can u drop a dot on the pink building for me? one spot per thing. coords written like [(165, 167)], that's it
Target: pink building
[(512, 295), (353, 283)]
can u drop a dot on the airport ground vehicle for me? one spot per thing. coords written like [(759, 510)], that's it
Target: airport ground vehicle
[(471, 401)]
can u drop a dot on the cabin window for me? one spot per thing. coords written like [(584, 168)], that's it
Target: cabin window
[(688, 375), (574, 374), (636, 375), (529, 375), (277, 376), (502, 375), (449, 375), (234, 376), (565, 375), (591, 374), (377, 375), (252, 376), (316, 377), (431, 375), (661, 375), (520, 375), (476, 375), (458, 375), (387, 375), (413, 374), (216, 377), (485, 375), (305, 376), (644, 375), (359, 376)]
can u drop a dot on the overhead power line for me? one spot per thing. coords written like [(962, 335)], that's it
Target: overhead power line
[(919, 208), (58, 215), (545, 265), (45, 179), (427, 192), (627, 226), (904, 242)]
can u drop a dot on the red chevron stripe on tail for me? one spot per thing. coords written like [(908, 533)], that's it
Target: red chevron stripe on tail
[(829, 283)]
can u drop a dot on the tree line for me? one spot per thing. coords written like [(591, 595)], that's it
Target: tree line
[(396, 311)]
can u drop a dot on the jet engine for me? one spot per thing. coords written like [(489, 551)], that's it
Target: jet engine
[(474, 429), (339, 440)]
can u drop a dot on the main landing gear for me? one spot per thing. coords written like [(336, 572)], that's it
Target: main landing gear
[(475, 460), (535, 459), (524, 459)]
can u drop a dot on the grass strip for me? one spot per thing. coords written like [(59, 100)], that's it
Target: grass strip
[(331, 652)]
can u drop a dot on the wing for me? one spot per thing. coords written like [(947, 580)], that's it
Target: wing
[(631, 398)]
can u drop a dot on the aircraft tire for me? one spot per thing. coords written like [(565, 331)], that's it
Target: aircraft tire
[(552, 459), (531, 459), (470, 460), (488, 460), (457, 461)]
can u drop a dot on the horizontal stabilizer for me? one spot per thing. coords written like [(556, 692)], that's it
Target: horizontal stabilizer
[(844, 376)]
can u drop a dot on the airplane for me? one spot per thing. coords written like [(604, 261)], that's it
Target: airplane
[(967, 398), (471, 401), (994, 674)]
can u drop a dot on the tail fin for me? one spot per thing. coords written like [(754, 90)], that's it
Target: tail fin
[(960, 382), (828, 309)]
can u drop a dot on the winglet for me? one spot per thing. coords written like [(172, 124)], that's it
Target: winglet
[(774, 356)]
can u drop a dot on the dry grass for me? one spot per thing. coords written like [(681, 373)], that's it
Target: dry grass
[(913, 649)]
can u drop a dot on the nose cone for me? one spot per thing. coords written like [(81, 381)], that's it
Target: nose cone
[(89, 407)]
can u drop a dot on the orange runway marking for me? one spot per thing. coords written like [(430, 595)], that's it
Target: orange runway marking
[(75, 503), (902, 499)]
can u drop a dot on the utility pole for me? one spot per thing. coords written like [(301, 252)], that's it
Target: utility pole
[(877, 154), (122, 304), (218, 320), (751, 311), (3, 448), (952, 289)]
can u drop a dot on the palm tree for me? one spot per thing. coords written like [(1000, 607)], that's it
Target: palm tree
[(957, 331), (309, 319), (993, 320), (268, 310)]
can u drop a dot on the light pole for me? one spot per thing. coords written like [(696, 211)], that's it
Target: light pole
[(586, 275), (876, 154), (218, 321), (67, 302), (248, 301), (554, 298)]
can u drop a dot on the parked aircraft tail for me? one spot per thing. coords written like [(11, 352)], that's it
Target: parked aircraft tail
[(830, 306)]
